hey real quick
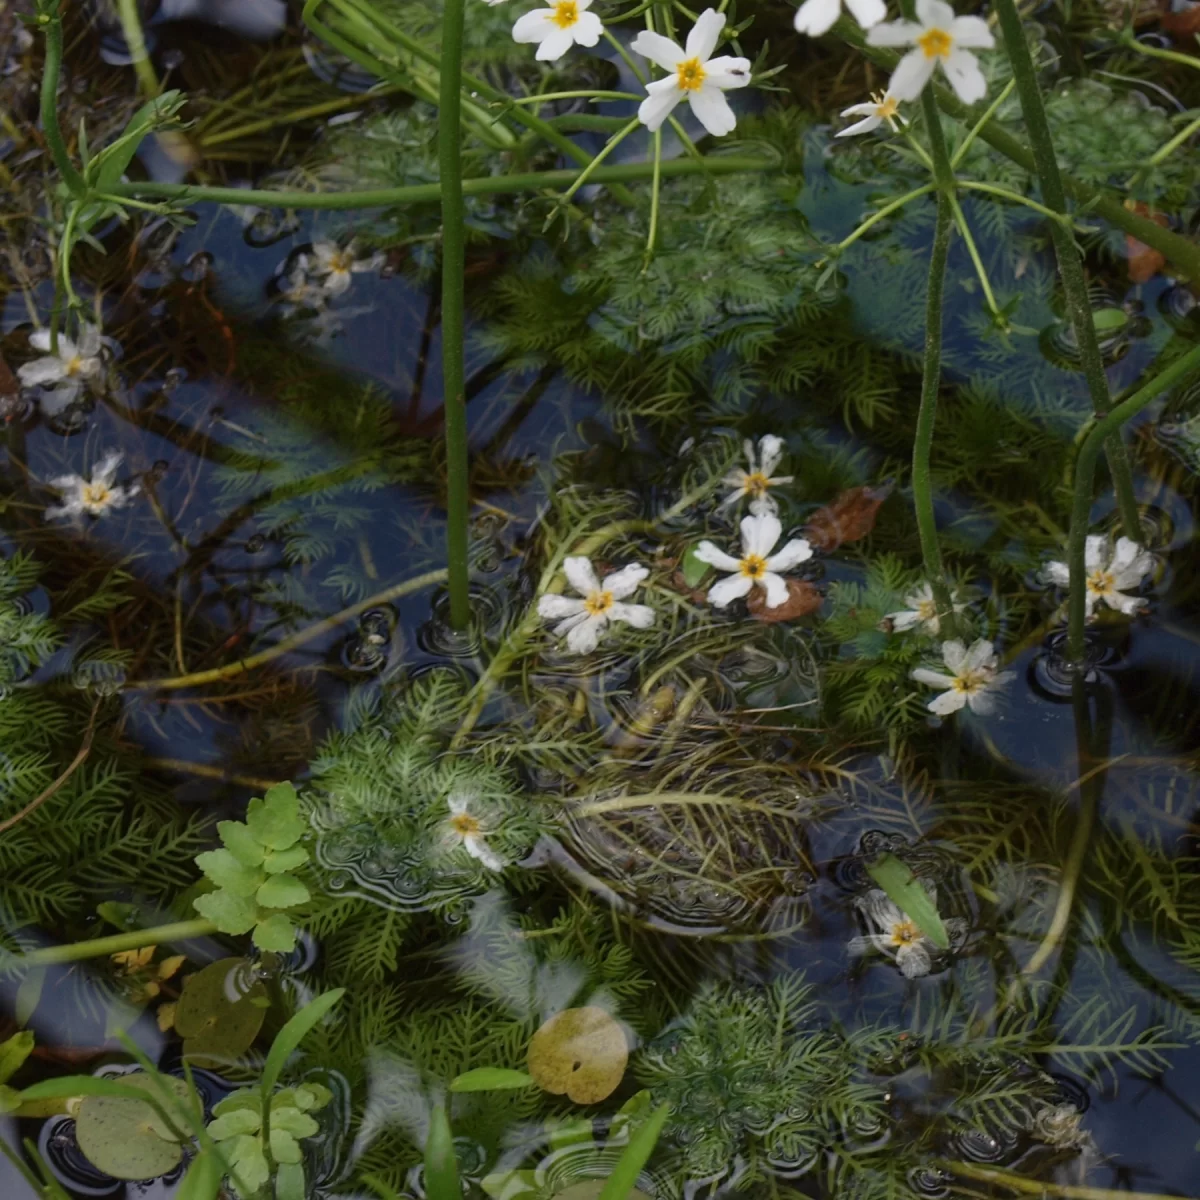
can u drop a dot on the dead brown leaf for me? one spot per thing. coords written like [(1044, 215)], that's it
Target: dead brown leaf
[(851, 516), (802, 599), (1145, 263), (579, 1051)]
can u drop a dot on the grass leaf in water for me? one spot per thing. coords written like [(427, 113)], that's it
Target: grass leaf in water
[(907, 891), (635, 1156), (441, 1168), (490, 1079)]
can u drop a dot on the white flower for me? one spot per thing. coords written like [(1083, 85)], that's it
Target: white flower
[(971, 681), (692, 74), (897, 935), (334, 265), (466, 829), (582, 621), (558, 27), (75, 363), (94, 496), (1111, 571), (881, 107), (921, 613), (816, 17), (757, 482), (757, 567), (298, 293), (939, 37)]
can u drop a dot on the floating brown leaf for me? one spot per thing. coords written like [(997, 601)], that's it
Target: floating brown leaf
[(1182, 22), (851, 516), (579, 1051), (1144, 263), (802, 599)]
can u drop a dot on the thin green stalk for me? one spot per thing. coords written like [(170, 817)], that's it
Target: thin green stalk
[(656, 180), (137, 939), (960, 221), (1085, 470), (977, 128), (1070, 265), (1171, 56), (885, 211), (1164, 152), (583, 95), (131, 26), (454, 265), (992, 189), (609, 146), (51, 22)]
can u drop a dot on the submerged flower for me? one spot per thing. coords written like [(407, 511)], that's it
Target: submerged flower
[(816, 17), (757, 482), (95, 495), (466, 829), (938, 37), (1111, 572), (333, 265), (921, 613), (972, 680), (558, 27), (583, 620), (896, 933), (68, 368), (692, 74), (757, 567), (142, 975), (297, 293), (882, 106)]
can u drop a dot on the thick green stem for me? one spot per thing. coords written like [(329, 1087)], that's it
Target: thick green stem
[(454, 399), (136, 939), (50, 21), (1085, 470), (1070, 265)]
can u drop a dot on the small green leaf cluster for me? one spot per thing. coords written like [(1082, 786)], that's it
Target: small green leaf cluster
[(13, 1053), (239, 1129), (27, 637), (253, 872)]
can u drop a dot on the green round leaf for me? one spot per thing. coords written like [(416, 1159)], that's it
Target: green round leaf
[(241, 843), (281, 891), (229, 913), (275, 933), (1109, 320), (221, 1010), (126, 1138), (228, 873)]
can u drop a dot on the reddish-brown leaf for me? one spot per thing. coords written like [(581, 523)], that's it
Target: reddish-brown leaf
[(850, 517), (802, 599), (1144, 262), (1182, 22)]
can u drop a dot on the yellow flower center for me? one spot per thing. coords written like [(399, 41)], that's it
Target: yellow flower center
[(1100, 582), (465, 825), (74, 365), (936, 43), (905, 933), (756, 484), (927, 610), (754, 566), (690, 74), (886, 107), (971, 682), (566, 14), (598, 603), (96, 495), (340, 263)]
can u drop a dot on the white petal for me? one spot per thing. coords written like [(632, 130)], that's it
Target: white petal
[(553, 607), (922, 595), (913, 960), (658, 49), (981, 654), (706, 552), (894, 33), (866, 125), (478, 848), (702, 40), (712, 110), (764, 505), (880, 909), (39, 339), (588, 29), (58, 397), (60, 512), (41, 371), (867, 12), (734, 496), (933, 678), (580, 575), (1095, 553), (659, 104), (795, 552), (626, 581), (731, 588), (935, 12), (555, 44), (954, 654), (902, 622), (947, 703), (1133, 574), (912, 73), (585, 636), (1057, 573), (324, 252), (640, 616), (458, 803), (726, 72), (983, 702), (871, 941), (966, 76), (972, 33), (565, 626), (104, 471), (776, 588), (1126, 604), (534, 26), (770, 448), (1126, 552), (815, 17), (759, 534), (89, 341)]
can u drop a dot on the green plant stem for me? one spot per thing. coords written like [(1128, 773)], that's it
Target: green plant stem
[(430, 193), (1172, 56), (1037, 1187), (975, 130), (885, 211), (1085, 469), (136, 939), (51, 130), (960, 220), (131, 26), (1070, 265), (454, 265)]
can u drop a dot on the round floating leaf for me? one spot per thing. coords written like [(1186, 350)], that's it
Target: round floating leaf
[(221, 1010), (1109, 320), (126, 1138), (579, 1051)]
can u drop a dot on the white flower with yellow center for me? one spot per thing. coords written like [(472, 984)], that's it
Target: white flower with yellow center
[(921, 613), (334, 265), (880, 108), (941, 39), (896, 934), (816, 17), (68, 368), (559, 26), (464, 828), (757, 567), (1111, 572), (692, 75), (582, 621), (94, 496), (972, 681), (757, 482)]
